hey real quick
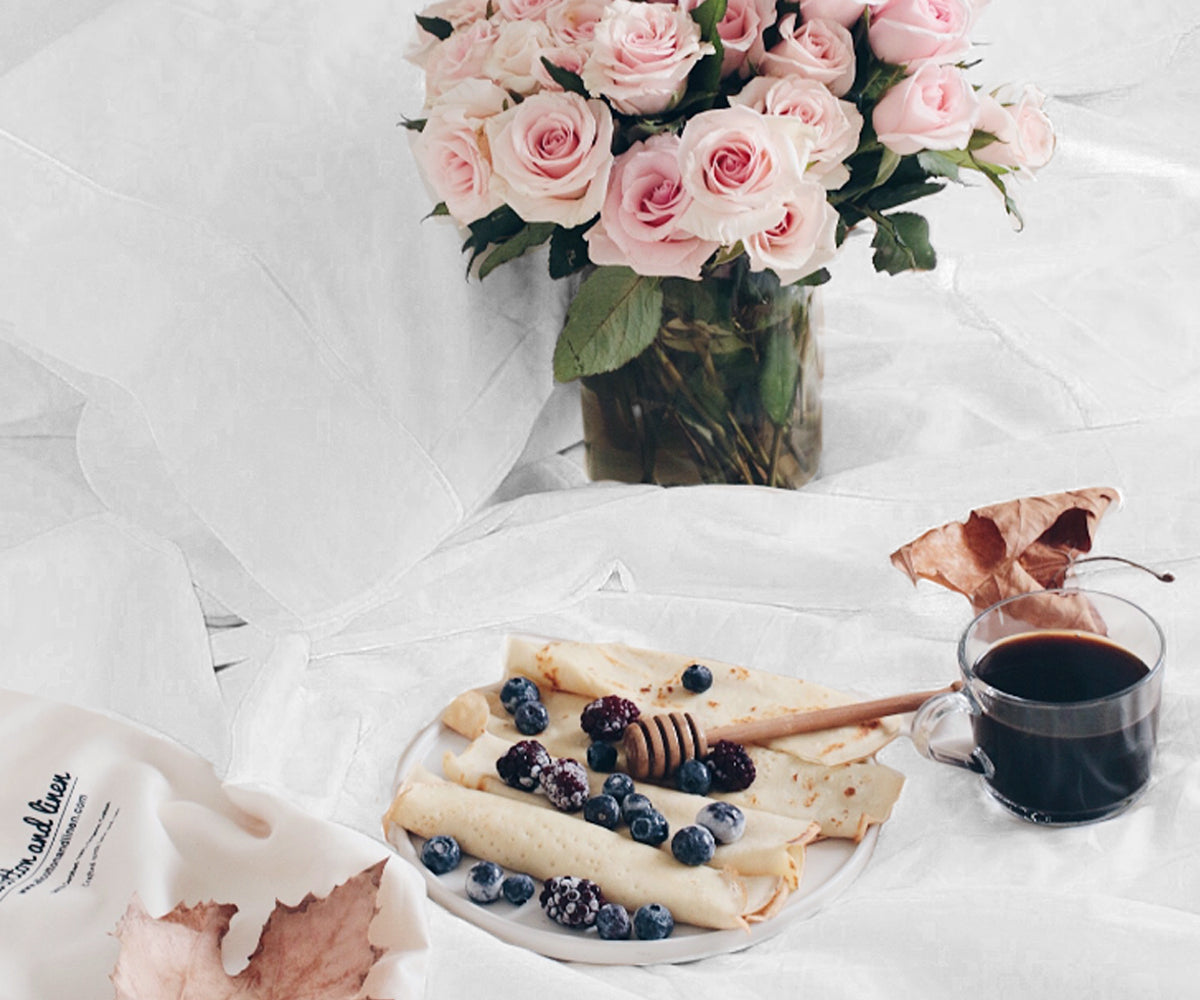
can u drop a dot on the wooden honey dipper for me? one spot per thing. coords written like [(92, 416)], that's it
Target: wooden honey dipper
[(657, 745)]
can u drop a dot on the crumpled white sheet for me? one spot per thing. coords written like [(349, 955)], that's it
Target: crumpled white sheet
[(230, 348)]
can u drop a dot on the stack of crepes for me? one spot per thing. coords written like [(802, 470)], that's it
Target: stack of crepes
[(808, 787)]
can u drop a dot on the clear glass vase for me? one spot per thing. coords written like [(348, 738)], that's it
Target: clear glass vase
[(728, 392)]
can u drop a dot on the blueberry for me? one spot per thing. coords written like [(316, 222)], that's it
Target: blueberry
[(484, 879), (518, 889), (603, 810), (618, 785), (693, 845), (440, 854), (517, 691), (531, 717), (612, 922), (634, 803), (601, 756), (649, 827), (724, 821), (697, 678), (653, 922), (693, 777)]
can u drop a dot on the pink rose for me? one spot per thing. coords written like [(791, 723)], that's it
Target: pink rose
[(642, 54), (935, 108), (1024, 132), (804, 240), (447, 149), (845, 12), (523, 10), (907, 31), (568, 57), (460, 57), (457, 12), (816, 50), (574, 21), (639, 222), (741, 29), (740, 168), (515, 58), (836, 124), (551, 157)]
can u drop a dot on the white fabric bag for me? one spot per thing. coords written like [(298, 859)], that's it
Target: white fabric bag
[(93, 810)]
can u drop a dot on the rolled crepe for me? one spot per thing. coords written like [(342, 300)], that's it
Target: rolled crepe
[(545, 843), (651, 680), (771, 844)]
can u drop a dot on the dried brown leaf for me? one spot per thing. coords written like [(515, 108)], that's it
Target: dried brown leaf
[(1012, 548), (317, 950)]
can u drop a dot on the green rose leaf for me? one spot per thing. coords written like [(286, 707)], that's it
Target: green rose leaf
[(568, 250), (901, 243), (534, 234), (614, 316), (779, 374), (439, 27), (572, 83), (496, 227)]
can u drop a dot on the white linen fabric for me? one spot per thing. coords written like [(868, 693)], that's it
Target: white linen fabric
[(95, 811), (234, 358)]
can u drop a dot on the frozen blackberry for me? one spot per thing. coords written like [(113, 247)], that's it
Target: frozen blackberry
[(531, 717), (606, 718), (565, 783), (693, 845), (571, 901), (518, 889), (441, 854), (601, 756), (603, 810), (732, 767), (618, 785), (693, 777), (653, 922), (724, 821), (634, 803), (613, 923), (697, 678), (484, 879), (521, 767), (517, 691), (649, 827)]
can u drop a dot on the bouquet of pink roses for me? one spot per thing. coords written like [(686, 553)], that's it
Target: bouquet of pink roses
[(660, 142)]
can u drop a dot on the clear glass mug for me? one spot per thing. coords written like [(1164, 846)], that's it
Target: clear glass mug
[(1062, 689)]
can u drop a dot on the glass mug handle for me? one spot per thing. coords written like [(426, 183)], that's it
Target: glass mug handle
[(926, 721)]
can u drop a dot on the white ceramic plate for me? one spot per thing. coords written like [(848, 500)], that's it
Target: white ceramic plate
[(829, 867)]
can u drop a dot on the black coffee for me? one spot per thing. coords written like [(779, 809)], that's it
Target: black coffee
[(1079, 767)]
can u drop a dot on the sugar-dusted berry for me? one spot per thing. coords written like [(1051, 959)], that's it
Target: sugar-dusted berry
[(531, 717), (725, 821), (694, 777), (522, 764), (571, 901), (693, 845), (606, 718), (518, 889), (732, 767), (601, 756), (516, 691), (484, 879), (441, 854), (653, 922), (565, 783)]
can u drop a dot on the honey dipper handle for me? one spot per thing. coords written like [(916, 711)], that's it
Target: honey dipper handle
[(762, 730)]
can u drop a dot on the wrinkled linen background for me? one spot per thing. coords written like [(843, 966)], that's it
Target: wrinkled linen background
[(242, 380)]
